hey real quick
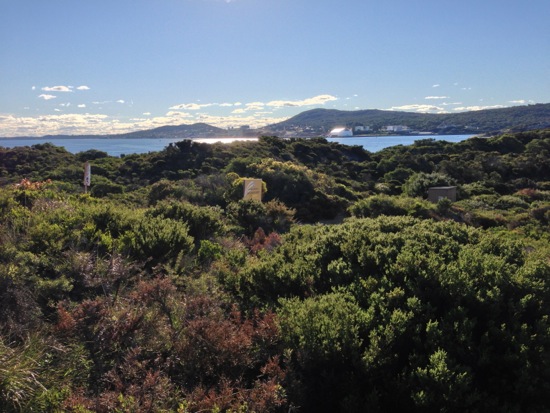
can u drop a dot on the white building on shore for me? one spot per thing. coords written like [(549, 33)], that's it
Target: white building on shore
[(340, 133)]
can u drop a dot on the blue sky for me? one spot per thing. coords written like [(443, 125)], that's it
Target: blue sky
[(111, 66)]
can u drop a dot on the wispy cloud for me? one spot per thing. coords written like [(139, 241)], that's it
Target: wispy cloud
[(521, 102), (253, 106), (190, 106), (436, 85), (174, 114), (470, 108), (57, 89), (258, 106), (316, 100), (46, 97), (436, 97), (419, 108), (83, 87), (96, 124), (255, 114)]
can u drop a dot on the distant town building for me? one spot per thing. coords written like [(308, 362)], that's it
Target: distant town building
[(436, 193), (244, 130), (361, 129), (340, 133), (397, 128)]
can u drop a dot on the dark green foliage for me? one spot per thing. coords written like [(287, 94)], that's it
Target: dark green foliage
[(325, 333), (250, 215), (375, 206), (103, 187), (418, 184), (158, 240), (203, 222), (444, 313)]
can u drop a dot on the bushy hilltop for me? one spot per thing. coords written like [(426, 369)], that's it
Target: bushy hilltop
[(345, 290)]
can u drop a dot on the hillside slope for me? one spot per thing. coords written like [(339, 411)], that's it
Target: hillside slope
[(519, 118)]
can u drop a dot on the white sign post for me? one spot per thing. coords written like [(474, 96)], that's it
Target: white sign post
[(87, 176)]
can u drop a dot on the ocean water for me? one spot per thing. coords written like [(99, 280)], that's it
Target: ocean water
[(377, 143), (117, 147)]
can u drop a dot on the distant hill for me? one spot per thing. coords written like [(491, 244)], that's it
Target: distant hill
[(318, 122), (202, 130), (180, 131), (517, 119)]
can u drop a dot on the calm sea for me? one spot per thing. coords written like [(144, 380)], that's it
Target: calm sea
[(117, 147)]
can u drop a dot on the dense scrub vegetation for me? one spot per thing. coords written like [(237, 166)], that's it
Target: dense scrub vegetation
[(345, 290)]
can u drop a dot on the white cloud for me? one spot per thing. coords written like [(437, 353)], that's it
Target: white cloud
[(83, 87), (521, 102), (120, 101), (95, 124), (472, 108), (316, 100), (190, 106), (436, 97), (254, 114), (174, 114), (55, 124), (57, 89), (254, 106), (419, 108), (33, 88), (46, 97), (436, 85)]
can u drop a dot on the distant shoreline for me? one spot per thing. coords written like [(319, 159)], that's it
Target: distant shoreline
[(102, 137)]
